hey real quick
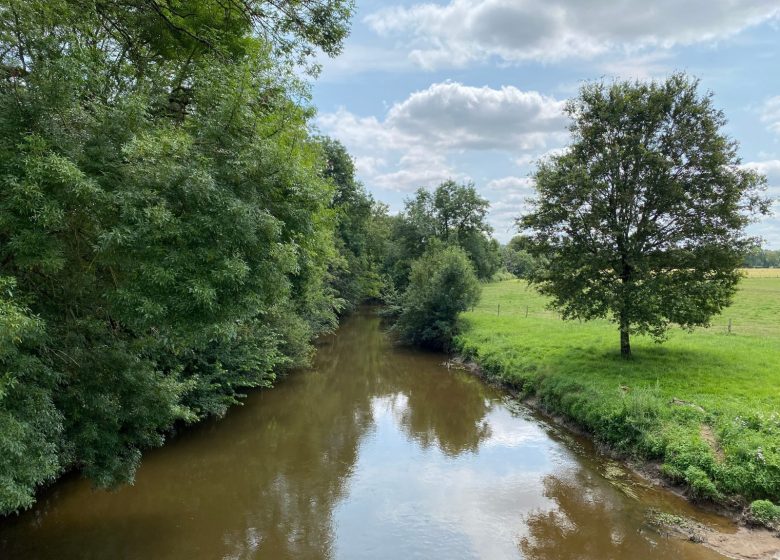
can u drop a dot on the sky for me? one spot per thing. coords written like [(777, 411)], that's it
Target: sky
[(473, 90)]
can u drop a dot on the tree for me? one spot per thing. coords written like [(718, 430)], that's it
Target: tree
[(643, 217), (442, 283), (452, 214), (516, 259), (762, 258), (359, 232)]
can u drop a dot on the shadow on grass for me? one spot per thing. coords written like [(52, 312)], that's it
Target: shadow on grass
[(645, 357)]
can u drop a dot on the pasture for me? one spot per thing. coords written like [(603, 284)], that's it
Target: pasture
[(704, 405)]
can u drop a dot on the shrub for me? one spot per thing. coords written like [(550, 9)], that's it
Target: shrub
[(700, 484), (442, 283), (764, 512)]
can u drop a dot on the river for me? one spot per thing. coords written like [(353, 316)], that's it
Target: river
[(375, 452)]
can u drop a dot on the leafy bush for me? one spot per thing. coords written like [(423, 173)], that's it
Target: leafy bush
[(442, 283), (764, 512), (700, 484)]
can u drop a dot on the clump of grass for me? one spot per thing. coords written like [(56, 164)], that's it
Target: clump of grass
[(652, 407)]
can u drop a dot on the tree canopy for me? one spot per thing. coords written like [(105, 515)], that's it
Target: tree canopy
[(643, 217), (166, 225), (453, 214), (442, 284)]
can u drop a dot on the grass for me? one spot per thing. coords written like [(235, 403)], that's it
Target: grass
[(705, 404)]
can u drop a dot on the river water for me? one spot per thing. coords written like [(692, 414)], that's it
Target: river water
[(375, 452)]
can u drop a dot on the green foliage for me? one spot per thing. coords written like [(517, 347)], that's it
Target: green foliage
[(442, 283), (362, 231), (764, 513), (166, 231), (700, 485), (643, 217), (453, 214), (762, 258), (704, 406), (30, 424), (517, 260)]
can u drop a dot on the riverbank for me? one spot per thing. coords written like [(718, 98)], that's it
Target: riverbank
[(703, 407)]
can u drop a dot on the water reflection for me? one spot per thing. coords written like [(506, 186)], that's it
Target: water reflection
[(587, 522), (377, 452)]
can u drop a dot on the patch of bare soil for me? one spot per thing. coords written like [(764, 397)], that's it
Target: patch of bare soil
[(744, 544), (709, 437)]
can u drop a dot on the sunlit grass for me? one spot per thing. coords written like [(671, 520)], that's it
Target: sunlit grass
[(657, 404), (761, 272)]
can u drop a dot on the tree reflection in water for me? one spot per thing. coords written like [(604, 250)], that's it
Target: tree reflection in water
[(590, 521)]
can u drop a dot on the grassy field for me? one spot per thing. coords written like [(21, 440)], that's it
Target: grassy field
[(705, 405)]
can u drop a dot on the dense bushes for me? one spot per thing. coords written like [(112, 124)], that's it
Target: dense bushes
[(764, 512), (442, 283), (167, 228)]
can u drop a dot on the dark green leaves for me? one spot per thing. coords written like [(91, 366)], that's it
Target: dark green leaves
[(442, 284), (166, 232)]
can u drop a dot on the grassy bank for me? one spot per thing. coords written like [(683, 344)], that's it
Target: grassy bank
[(705, 405)]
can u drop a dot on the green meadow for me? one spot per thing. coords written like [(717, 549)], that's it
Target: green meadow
[(704, 405)]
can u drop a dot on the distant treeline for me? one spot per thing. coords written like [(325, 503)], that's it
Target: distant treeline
[(763, 258), (520, 262)]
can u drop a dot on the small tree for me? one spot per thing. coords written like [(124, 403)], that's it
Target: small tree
[(516, 259), (454, 214), (643, 217), (442, 283)]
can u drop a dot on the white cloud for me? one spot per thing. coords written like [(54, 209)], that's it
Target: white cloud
[(455, 116), (509, 200), (514, 30), (769, 227), (417, 168), (770, 113), (533, 158), (413, 144), (513, 184), (646, 66)]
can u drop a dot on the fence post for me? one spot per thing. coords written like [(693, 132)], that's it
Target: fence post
[(729, 326), (498, 312), (526, 312)]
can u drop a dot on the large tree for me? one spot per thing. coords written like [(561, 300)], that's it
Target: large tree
[(360, 233), (643, 217)]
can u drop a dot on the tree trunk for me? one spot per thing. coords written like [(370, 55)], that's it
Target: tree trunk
[(625, 344), (625, 324)]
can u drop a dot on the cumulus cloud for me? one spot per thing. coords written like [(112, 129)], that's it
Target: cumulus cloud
[(509, 197), (452, 115), (769, 227), (770, 113), (532, 158), (645, 66), (514, 30), (417, 168), (770, 169), (411, 146)]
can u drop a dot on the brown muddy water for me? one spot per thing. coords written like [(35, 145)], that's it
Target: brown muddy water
[(376, 452)]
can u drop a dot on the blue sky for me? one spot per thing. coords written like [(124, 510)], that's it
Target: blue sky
[(473, 89)]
